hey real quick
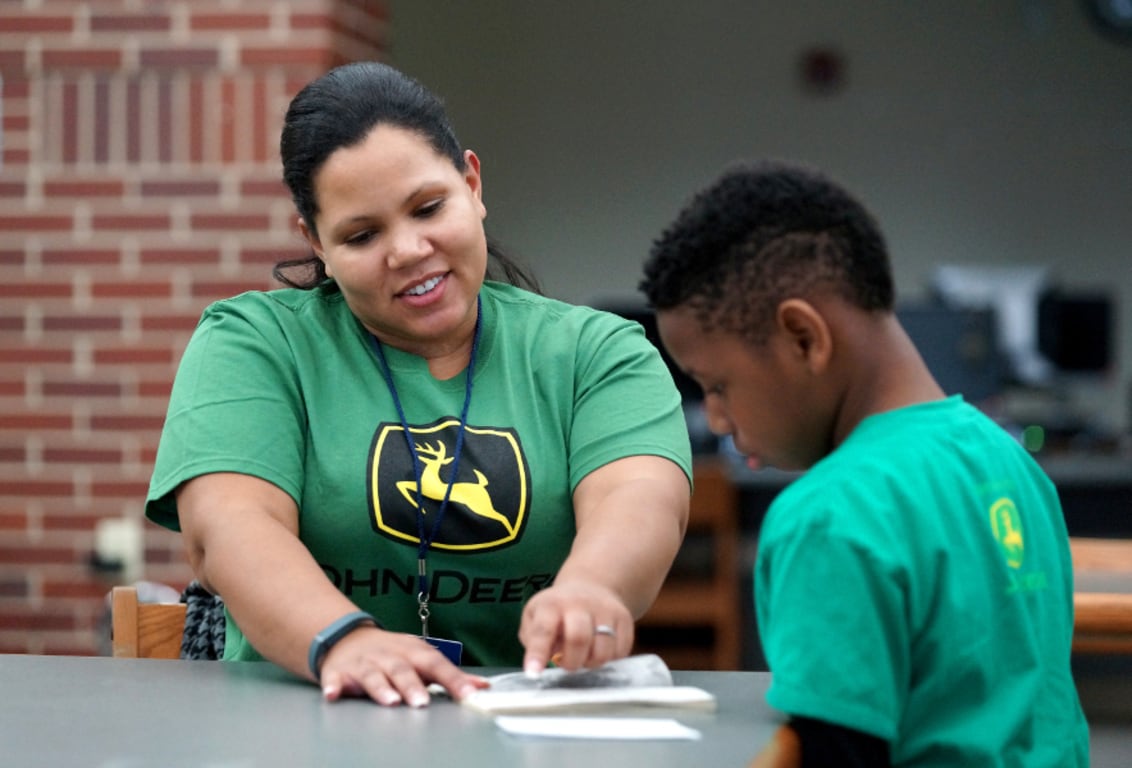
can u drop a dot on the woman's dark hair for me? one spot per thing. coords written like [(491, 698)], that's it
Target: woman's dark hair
[(762, 233), (339, 110)]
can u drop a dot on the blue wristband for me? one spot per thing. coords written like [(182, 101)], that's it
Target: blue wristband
[(326, 639)]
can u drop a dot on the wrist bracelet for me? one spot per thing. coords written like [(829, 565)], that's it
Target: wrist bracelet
[(337, 629)]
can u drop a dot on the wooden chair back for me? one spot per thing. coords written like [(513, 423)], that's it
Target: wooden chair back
[(708, 600), (144, 630), (1102, 620)]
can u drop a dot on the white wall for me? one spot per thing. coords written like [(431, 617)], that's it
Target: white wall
[(978, 131)]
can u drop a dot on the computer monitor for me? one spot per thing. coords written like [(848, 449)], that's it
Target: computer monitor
[(960, 348)]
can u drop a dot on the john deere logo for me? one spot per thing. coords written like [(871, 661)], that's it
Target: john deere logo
[(488, 501), (1007, 528)]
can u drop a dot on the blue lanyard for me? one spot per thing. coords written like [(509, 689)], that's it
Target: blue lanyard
[(426, 541)]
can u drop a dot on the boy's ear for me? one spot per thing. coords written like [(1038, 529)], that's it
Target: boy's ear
[(806, 332)]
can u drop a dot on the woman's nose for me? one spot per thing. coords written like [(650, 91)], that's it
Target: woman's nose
[(407, 246)]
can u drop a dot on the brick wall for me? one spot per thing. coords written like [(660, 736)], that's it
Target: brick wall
[(140, 181)]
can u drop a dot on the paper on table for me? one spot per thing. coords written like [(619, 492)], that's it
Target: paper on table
[(634, 728), (629, 684), (634, 698)]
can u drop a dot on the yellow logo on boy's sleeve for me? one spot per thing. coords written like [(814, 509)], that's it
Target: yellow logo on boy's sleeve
[(1006, 525)]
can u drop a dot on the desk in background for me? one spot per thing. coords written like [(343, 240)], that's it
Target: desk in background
[(60, 711)]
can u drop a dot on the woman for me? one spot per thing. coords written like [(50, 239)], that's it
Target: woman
[(395, 456)]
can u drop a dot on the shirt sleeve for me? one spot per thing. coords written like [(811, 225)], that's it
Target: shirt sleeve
[(832, 620), (626, 403), (235, 407)]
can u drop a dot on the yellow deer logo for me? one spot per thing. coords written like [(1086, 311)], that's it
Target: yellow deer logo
[(474, 496)]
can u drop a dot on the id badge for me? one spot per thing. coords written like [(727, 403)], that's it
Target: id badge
[(453, 650)]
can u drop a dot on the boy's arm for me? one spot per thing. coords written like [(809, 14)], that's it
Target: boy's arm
[(807, 743)]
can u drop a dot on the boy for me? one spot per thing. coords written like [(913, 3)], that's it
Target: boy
[(914, 588)]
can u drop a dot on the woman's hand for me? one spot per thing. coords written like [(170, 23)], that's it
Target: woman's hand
[(630, 516), (576, 625), (241, 535), (391, 668)]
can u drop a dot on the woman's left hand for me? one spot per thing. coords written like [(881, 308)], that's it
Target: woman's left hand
[(576, 625)]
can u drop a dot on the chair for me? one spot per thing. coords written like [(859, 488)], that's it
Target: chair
[(1102, 606), (704, 598), (144, 630)]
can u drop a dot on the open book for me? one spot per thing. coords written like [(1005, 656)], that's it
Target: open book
[(624, 685)]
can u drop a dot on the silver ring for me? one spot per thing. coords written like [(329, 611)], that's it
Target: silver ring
[(605, 629)]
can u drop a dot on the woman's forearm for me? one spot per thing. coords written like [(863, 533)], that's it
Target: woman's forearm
[(631, 523), (252, 557)]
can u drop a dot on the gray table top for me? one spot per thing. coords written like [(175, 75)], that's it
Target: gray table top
[(63, 711)]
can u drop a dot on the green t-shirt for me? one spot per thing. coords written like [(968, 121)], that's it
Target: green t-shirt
[(286, 386), (916, 585)]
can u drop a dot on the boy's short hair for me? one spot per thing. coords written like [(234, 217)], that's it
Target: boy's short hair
[(762, 233)]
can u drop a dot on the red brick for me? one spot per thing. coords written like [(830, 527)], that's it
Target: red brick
[(133, 356), (34, 223), (283, 56), (12, 61), (90, 58), (13, 522), (231, 221), (34, 289), (72, 589), (311, 21), (131, 289), (228, 108), (171, 58), (14, 157), (79, 256), (30, 421), (221, 22), (23, 618), (164, 120), (14, 586), (196, 120), (70, 523), (158, 389), (71, 122), (133, 122), (179, 188), (14, 87), (33, 488), (12, 324), (82, 323), (127, 423), (150, 22), (16, 124), (170, 322), (83, 188), (82, 455), (121, 490), (13, 189), (82, 389), (101, 119), (13, 454), (180, 256), (41, 23), (128, 222), (264, 188), (34, 355)]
